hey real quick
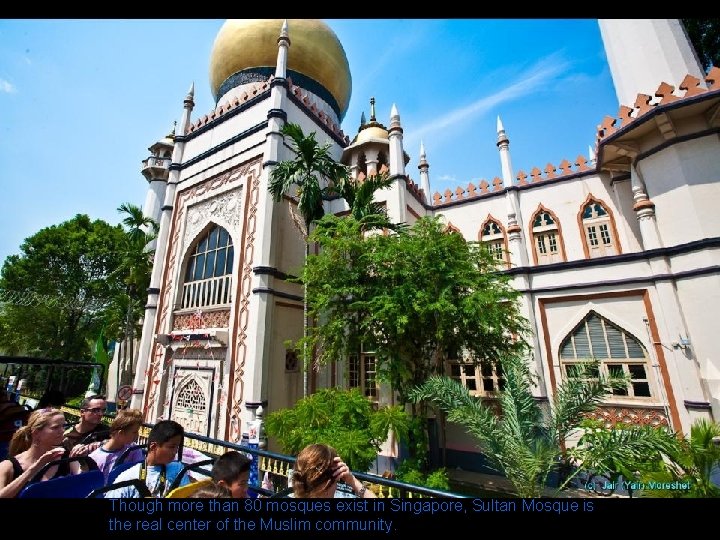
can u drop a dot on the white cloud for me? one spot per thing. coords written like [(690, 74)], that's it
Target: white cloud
[(7, 87), (545, 70)]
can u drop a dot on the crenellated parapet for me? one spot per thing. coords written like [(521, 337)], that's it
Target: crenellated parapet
[(311, 105), (537, 175), (664, 95), (226, 107), (415, 190), (550, 172)]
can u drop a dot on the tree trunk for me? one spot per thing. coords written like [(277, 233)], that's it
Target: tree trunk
[(305, 325)]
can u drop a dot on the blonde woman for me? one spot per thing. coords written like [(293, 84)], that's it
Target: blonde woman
[(32, 447), (124, 432), (317, 471)]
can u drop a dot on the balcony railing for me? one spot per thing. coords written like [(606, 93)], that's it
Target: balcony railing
[(207, 292)]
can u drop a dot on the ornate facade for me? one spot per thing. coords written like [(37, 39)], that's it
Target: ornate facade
[(617, 254)]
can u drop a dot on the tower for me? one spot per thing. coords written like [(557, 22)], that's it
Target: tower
[(220, 307)]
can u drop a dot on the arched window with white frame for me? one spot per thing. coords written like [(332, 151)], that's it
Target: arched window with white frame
[(619, 353), (492, 236), (208, 274), (598, 227), (547, 240)]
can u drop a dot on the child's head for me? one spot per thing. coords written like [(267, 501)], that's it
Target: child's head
[(212, 491), (164, 441), (232, 470), (126, 426)]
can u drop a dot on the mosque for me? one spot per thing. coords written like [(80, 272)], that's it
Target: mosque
[(617, 254)]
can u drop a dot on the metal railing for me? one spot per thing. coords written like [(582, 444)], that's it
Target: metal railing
[(278, 466)]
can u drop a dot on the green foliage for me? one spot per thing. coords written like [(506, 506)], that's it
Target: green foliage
[(415, 296), (342, 419), (65, 272), (704, 34), (311, 166), (618, 452), (523, 441), (690, 461), (410, 471)]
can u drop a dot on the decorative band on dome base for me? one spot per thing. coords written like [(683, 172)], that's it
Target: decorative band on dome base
[(261, 74)]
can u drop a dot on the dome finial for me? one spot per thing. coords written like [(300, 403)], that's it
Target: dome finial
[(284, 30), (363, 121), (372, 109), (171, 135), (500, 126)]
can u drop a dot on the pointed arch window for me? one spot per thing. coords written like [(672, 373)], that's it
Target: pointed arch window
[(208, 275), (492, 235), (547, 240), (599, 233), (619, 354)]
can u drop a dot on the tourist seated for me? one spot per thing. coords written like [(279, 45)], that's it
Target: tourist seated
[(232, 470), (317, 471), (124, 432), (89, 433), (32, 447), (160, 468)]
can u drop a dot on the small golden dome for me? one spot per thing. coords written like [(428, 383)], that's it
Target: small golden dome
[(371, 132), (315, 52)]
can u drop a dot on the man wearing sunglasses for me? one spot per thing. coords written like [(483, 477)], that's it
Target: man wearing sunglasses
[(88, 434)]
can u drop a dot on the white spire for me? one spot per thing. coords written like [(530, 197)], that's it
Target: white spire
[(591, 154), (191, 92), (500, 126), (394, 112), (503, 144), (424, 175), (283, 45), (284, 30)]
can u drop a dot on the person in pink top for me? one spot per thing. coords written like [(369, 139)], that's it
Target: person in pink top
[(123, 434)]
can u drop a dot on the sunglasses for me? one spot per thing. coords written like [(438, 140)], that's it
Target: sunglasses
[(96, 410)]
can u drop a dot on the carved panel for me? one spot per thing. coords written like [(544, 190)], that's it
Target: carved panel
[(638, 416), (213, 319), (223, 209)]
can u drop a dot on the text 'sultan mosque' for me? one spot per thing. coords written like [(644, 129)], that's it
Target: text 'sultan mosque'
[(617, 255)]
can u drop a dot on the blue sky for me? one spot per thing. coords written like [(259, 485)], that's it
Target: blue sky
[(81, 101)]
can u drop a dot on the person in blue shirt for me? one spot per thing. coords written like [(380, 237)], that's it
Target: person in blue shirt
[(160, 467)]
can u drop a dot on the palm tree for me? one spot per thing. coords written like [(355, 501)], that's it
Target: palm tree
[(311, 166), (359, 193), (690, 463), (135, 269), (522, 441)]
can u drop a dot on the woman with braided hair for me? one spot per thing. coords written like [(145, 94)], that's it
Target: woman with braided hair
[(317, 471)]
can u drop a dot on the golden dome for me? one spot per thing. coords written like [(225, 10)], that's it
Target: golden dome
[(315, 52), (372, 132)]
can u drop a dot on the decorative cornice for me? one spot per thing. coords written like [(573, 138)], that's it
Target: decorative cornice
[(279, 294), (272, 271)]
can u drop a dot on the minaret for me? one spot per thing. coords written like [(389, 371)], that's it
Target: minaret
[(395, 136), (147, 346), (642, 53), (503, 144), (423, 166), (246, 398), (156, 170), (518, 254)]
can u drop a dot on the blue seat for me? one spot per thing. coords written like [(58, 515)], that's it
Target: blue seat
[(76, 486)]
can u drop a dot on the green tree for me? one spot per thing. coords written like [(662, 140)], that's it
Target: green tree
[(523, 441), (63, 284), (619, 452), (359, 194), (690, 462), (704, 34), (311, 167), (345, 420), (417, 297)]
